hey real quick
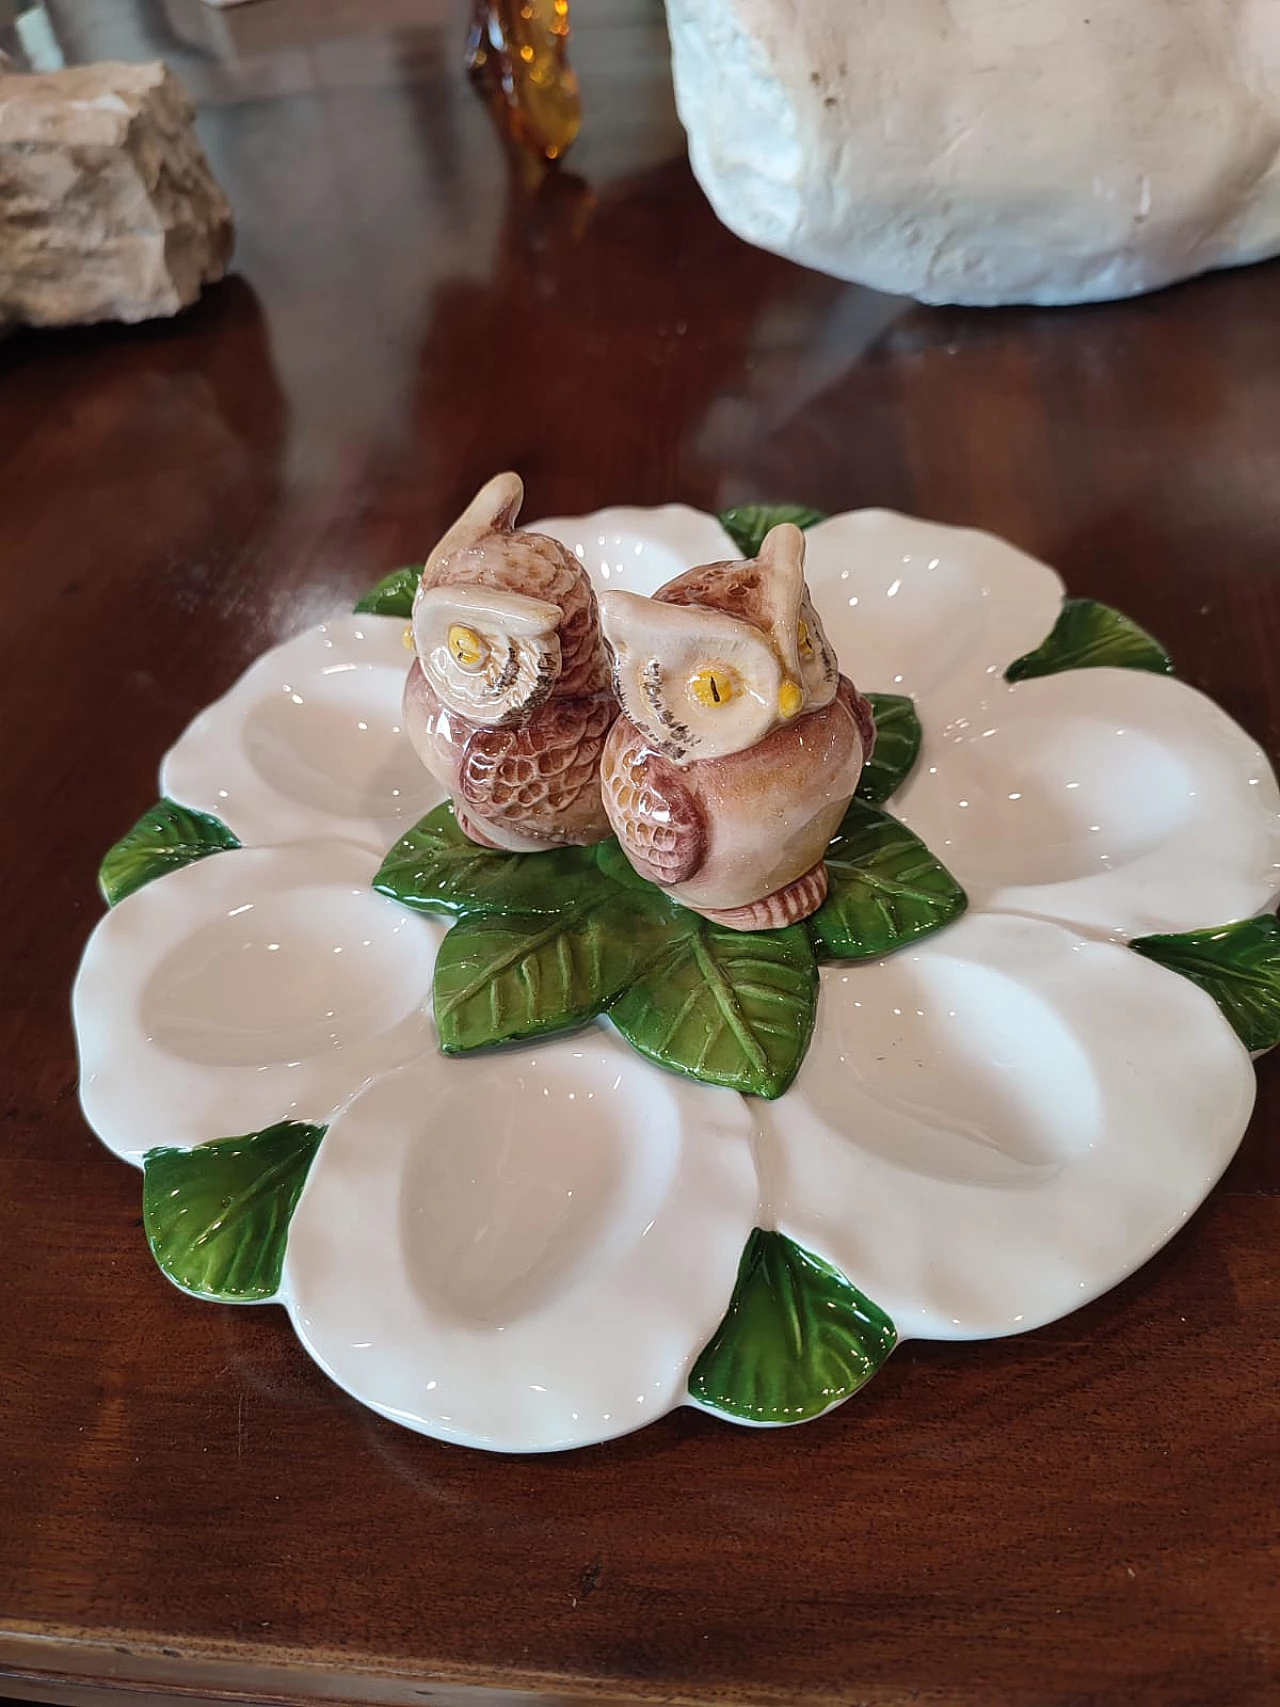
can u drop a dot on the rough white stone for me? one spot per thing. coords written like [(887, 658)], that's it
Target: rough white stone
[(108, 208), (986, 151)]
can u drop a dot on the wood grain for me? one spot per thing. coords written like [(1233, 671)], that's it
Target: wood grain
[(187, 1507)]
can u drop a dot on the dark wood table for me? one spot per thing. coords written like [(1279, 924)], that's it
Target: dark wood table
[(1089, 1514)]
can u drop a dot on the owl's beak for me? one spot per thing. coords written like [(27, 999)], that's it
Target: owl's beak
[(790, 699)]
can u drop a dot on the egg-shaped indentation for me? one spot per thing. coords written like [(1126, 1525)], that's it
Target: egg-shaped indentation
[(310, 742), (641, 549), (288, 977), (1112, 800), (496, 1222), (993, 1127), (524, 1252), (973, 1076), (340, 749), (1044, 799), (917, 608), (258, 985)]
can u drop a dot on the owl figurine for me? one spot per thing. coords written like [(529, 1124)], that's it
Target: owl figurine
[(509, 698), (739, 743)]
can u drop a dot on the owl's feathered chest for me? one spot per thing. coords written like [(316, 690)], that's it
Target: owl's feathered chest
[(536, 781), (731, 829)]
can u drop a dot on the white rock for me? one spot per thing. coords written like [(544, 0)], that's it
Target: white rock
[(108, 208), (986, 151)]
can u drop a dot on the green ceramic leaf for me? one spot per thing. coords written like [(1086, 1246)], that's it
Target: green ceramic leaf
[(435, 868), (728, 1007), (886, 889), (217, 1217), (393, 594), (898, 738), (619, 869), (797, 1338), (747, 524), (504, 976), (1088, 633), (1239, 965), (163, 839)]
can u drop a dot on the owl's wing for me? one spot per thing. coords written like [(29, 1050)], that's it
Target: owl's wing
[(656, 816), (540, 777), (863, 716)]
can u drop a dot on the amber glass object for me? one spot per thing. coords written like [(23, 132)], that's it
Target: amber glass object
[(517, 56)]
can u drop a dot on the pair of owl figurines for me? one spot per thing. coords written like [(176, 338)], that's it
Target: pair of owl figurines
[(708, 727)]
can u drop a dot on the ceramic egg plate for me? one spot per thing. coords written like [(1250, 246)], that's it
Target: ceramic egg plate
[(550, 1244)]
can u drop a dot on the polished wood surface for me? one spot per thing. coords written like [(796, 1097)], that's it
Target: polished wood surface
[(1089, 1514)]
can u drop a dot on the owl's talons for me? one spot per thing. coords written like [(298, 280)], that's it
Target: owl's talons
[(786, 906)]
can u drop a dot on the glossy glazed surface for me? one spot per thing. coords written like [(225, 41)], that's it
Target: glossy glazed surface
[(738, 744), (754, 824), (509, 696), (1083, 1512), (258, 985), (535, 1282), (309, 743), (1101, 798), (988, 1129)]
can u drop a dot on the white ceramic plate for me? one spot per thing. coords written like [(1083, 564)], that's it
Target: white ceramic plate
[(539, 1242), (266, 984), (308, 743), (528, 1251)]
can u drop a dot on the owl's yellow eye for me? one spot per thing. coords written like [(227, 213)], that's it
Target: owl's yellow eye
[(714, 685), (805, 639), (467, 648)]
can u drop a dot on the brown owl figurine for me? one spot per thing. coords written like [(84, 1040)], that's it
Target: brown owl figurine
[(509, 698), (739, 743)]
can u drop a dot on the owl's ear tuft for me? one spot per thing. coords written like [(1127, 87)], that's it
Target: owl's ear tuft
[(782, 550), (497, 504), (621, 616), (781, 562), (493, 510)]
